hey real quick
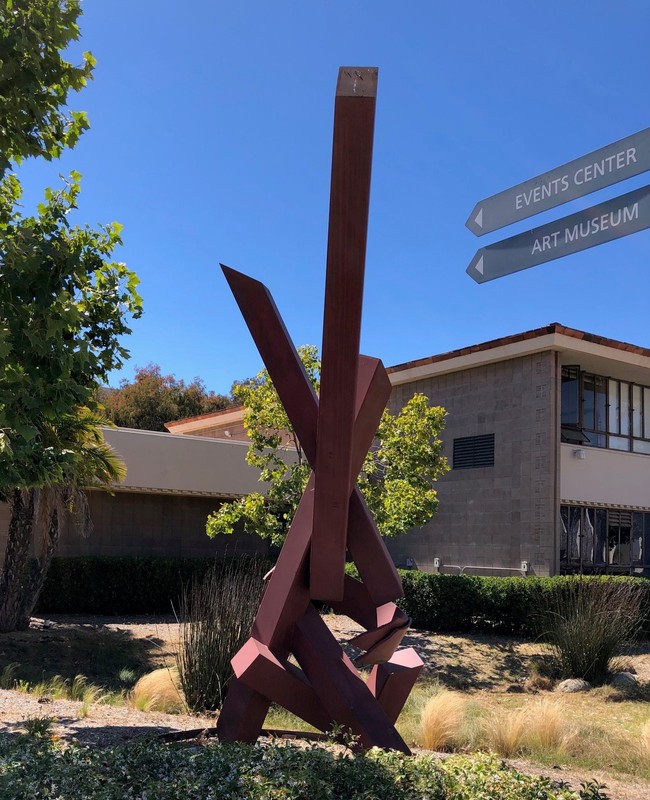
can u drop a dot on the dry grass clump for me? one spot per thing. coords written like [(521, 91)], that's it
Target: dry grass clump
[(643, 741), (442, 720), (159, 691), (546, 727), (539, 727), (504, 731)]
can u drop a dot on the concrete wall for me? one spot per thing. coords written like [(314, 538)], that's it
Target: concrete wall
[(128, 524), (604, 477), (163, 462), (131, 524), (494, 516), (173, 483)]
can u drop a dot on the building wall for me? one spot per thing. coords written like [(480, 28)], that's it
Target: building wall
[(172, 484), (162, 462), (130, 524), (138, 524), (604, 477), (493, 517)]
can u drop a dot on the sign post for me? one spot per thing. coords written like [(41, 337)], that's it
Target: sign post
[(604, 167), (602, 223)]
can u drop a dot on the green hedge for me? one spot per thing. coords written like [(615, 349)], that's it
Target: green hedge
[(119, 585), (486, 604), (133, 585)]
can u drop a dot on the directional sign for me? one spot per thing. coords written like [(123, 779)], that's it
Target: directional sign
[(604, 167), (596, 225)]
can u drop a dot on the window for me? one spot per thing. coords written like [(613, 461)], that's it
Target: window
[(604, 539), (474, 451), (604, 412)]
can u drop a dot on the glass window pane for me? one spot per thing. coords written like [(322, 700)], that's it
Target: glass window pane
[(637, 538), (619, 443), (614, 410), (613, 544), (600, 404), (588, 401), (624, 545), (574, 533), (636, 411), (601, 536), (596, 439), (625, 408), (641, 446), (570, 394), (588, 536), (646, 412), (646, 539), (564, 533)]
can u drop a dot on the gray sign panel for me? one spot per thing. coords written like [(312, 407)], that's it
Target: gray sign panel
[(596, 225), (604, 167)]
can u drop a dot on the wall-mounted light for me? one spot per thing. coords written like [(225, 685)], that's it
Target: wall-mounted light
[(579, 454)]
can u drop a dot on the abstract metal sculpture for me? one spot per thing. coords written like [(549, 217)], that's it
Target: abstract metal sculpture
[(335, 431)]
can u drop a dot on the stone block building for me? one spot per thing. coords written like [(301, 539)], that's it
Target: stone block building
[(547, 436), (548, 439)]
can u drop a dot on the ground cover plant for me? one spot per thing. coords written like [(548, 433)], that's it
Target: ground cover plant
[(602, 732), (33, 766)]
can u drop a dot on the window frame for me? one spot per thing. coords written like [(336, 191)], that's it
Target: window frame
[(632, 412)]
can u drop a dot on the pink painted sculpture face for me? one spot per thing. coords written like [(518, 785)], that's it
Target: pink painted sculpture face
[(332, 518)]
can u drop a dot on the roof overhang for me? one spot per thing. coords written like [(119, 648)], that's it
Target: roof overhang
[(593, 353)]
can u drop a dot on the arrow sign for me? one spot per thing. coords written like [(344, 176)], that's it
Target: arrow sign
[(611, 164), (605, 222)]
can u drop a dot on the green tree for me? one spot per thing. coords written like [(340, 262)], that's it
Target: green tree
[(63, 303), (397, 479), (38, 515), (153, 399), (35, 79)]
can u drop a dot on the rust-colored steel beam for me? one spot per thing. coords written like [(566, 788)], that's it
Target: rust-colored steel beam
[(287, 373), (335, 432), (391, 683), (354, 120), (342, 691)]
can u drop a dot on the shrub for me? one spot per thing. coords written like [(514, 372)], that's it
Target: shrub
[(589, 621), (123, 584), (39, 768), (216, 615)]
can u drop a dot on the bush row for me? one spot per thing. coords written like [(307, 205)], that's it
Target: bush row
[(490, 605), (134, 585), (121, 585), (38, 768)]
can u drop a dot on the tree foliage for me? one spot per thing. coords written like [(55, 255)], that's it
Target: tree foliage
[(64, 305), (397, 479), (35, 79), (153, 399)]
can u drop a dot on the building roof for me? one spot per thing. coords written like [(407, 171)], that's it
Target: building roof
[(596, 353), (202, 421), (209, 415), (552, 328)]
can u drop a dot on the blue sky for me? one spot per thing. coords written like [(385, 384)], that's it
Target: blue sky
[(210, 140)]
